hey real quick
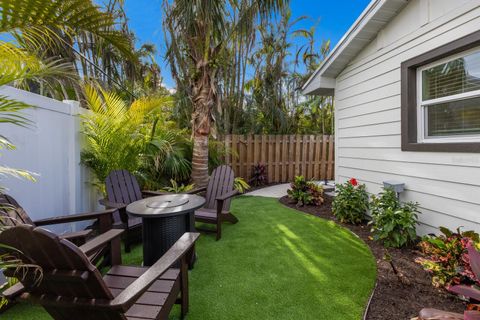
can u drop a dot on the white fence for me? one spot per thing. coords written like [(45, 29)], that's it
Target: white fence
[(50, 148)]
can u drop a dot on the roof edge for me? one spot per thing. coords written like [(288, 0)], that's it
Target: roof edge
[(358, 25)]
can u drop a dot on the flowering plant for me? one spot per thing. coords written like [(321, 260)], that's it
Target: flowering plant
[(351, 202)]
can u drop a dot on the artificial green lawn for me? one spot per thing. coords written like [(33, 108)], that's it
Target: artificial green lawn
[(276, 263)]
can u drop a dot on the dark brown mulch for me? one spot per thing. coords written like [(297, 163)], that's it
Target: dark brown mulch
[(395, 297)]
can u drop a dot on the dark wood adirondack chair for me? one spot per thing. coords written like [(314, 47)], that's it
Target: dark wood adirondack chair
[(12, 214), (72, 288), (218, 194), (122, 189)]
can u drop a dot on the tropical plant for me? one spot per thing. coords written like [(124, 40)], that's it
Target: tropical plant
[(305, 192), (204, 30), (176, 188), (71, 31), (445, 257), (470, 292), (240, 185), (351, 202), (259, 175), (393, 223), (117, 134)]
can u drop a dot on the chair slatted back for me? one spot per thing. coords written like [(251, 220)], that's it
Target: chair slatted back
[(220, 182), (122, 187), (68, 276), (11, 213)]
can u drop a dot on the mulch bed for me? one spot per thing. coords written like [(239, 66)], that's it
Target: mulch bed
[(394, 297)]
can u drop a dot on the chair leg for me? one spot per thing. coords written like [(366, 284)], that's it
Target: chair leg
[(219, 229), (128, 239), (184, 287), (229, 217)]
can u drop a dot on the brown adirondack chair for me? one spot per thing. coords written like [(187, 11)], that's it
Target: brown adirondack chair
[(12, 214), (72, 288), (122, 189), (218, 194)]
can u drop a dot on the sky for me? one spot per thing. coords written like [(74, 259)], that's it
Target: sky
[(334, 17)]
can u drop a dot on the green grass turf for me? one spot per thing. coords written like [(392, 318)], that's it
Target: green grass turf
[(274, 264)]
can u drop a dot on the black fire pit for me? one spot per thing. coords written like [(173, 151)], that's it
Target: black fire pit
[(165, 219)]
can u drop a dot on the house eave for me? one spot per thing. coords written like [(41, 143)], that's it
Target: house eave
[(374, 18)]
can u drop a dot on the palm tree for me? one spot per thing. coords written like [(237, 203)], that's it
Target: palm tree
[(74, 31), (199, 33)]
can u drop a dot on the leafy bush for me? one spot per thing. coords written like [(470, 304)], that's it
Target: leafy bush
[(305, 192), (240, 185), (351, 202), (393, 223), (446, 257), (259, 175)]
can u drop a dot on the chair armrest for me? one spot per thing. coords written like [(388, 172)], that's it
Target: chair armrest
[(79, 236), (131, 294), (74, 217), (14, 291), (150, 193), (112, 205), (227, 195), (100, 241), (197, 190)]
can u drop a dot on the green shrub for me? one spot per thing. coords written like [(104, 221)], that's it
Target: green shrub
[(351, 202), (393, 223), (305, 192), (446, 257)]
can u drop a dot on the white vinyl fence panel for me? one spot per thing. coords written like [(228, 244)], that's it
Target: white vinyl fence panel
[(51, 148)]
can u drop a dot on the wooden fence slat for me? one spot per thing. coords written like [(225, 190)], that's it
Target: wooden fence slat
[(284, 177), (323, 163), (291, 157), (250, 156), (285, 156), (330, 158), (277, 157), (256, 149), (304, 156), (234, 151), (318, 146), (271, 159), (311, 156), (263, 155), (297, 155)]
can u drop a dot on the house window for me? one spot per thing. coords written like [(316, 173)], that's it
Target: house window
[(441, 98), (449, 99)]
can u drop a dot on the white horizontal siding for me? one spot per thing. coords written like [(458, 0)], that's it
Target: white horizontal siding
[(368, 126)]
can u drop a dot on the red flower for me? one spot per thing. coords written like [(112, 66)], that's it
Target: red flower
[(353, 182)]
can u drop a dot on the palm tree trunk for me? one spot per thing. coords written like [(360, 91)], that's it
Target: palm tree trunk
[(200, 160), (204, 100)]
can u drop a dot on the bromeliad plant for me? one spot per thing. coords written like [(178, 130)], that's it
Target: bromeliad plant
[(351, 202), (393, 223), (446, 257), (305, 192)]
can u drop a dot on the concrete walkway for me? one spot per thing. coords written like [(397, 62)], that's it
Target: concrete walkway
[(277, 191)]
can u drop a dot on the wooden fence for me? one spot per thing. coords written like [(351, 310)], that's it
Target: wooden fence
[(285, 156)]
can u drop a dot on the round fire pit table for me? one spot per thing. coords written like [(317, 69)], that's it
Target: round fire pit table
[(165, 219)]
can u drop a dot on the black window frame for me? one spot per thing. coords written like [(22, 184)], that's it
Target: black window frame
[(409, 124)]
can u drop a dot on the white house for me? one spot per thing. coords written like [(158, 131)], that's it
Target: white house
[(406, 85)]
